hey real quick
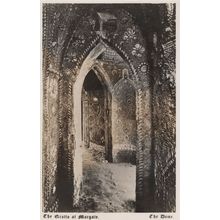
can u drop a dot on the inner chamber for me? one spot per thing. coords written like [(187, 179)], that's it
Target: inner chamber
[(93, 114)]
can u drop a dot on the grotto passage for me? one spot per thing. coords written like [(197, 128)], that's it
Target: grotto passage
[(109, 107)]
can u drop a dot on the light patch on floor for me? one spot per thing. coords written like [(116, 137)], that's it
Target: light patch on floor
[(107, 187)]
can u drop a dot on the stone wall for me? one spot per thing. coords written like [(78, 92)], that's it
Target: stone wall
[(124, 126), (96, 116), (164, 110), (51, 143)]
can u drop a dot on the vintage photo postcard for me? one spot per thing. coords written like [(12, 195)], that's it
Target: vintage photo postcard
[(109, 85)]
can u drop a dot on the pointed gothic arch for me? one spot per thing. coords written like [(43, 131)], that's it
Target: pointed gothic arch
[(89, 64), (142, 100)]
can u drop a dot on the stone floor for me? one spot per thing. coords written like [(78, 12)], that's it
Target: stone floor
[(107, 187)]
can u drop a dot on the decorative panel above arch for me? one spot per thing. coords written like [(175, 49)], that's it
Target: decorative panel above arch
[(70, 42)]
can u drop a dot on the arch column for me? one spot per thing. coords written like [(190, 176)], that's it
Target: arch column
[(144, 173), (64, 163)]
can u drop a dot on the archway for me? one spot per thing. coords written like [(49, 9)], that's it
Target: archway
[(93, 94), (88, 64)]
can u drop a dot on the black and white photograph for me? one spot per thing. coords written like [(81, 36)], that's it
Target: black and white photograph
[(109, 108)]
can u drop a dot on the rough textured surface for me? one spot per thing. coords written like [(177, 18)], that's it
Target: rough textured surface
[(124, 126), (50, 153), (164, 115), (105, 187), (96, 117)]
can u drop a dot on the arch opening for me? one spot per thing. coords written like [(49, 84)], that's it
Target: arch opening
[(95, 115), (102, 78)]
